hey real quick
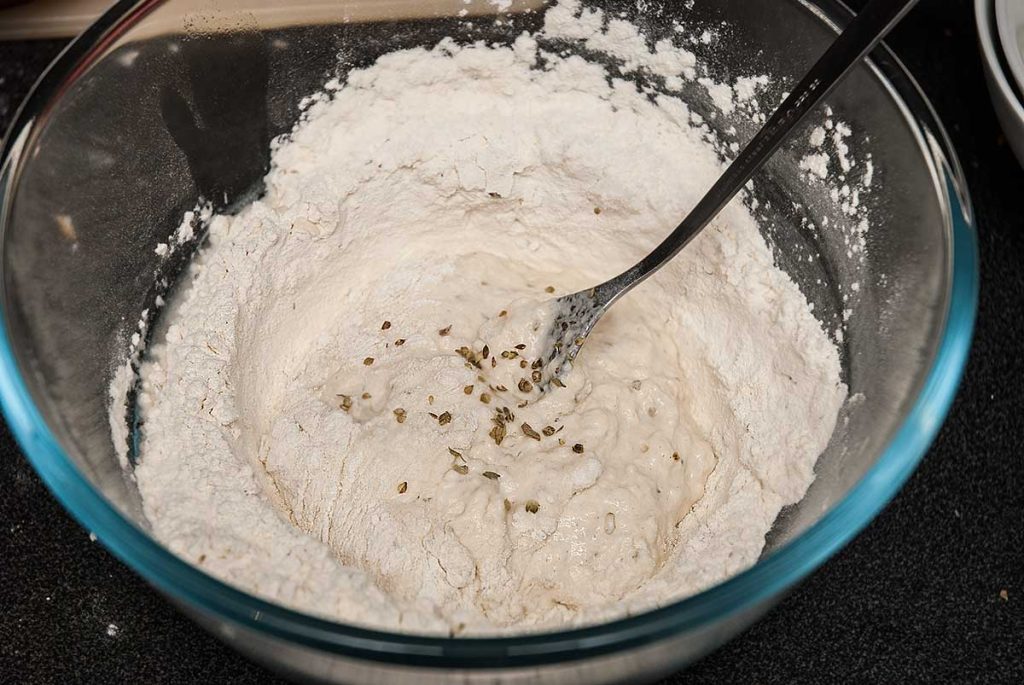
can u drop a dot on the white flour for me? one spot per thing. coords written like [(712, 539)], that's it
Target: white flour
[(292, 446)]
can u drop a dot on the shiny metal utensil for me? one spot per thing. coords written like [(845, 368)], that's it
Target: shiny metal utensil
[(577, 314)]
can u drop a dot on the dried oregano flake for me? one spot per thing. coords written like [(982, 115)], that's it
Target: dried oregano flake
[(498, 433)]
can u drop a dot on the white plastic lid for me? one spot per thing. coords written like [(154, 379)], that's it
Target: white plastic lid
[(1010, 27)]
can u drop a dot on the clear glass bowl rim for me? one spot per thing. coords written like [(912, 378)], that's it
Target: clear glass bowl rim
[(772, 574)]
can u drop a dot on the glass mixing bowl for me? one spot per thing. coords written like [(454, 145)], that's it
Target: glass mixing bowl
[(159, 103)]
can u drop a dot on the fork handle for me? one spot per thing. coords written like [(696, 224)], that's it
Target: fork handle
[(860, 36)]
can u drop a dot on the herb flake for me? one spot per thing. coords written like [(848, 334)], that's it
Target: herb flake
[(498, 433), (529, 432)]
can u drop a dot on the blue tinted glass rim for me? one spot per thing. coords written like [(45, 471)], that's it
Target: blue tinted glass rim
[(770, 576)]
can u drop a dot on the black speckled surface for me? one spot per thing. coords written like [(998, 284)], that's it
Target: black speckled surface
[(916, 597)]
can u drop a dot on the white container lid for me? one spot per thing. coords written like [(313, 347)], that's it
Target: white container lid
[(1010, 27)]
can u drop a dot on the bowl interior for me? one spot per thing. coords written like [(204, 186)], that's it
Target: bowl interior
[(184, 104)]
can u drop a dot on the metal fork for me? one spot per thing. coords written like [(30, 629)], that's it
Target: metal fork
[(577, 314)]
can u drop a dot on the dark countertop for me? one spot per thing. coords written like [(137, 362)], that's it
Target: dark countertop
[(932, 590)]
